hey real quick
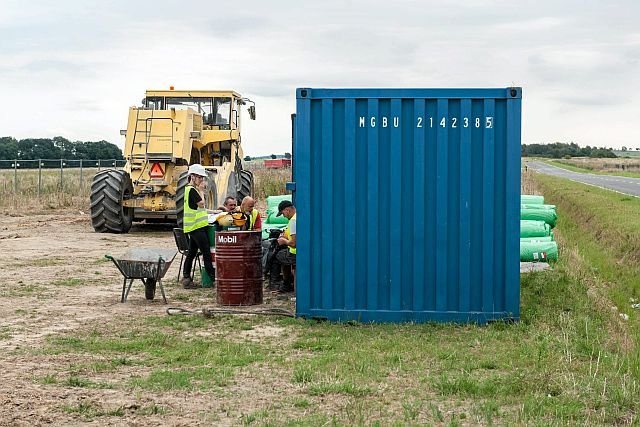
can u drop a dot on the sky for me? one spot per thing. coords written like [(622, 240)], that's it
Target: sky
[(72, 68)]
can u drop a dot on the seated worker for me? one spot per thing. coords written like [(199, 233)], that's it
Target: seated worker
[(285, 257), (194, 224), (230, 205), (247, 207)]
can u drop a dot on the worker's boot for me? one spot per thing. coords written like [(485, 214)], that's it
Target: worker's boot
[(274, 285), (187, 283), (287, 283), (275, 277), (286, 287)]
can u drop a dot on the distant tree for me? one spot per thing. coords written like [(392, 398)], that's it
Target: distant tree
[(66, 147), (247, 158), (559, 150), (624, 148), (287, 155), (57, 148), (273, 156), (40, 148), (8, 148), (98, 150)]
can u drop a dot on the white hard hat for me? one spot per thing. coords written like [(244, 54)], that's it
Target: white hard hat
[(197, 169)]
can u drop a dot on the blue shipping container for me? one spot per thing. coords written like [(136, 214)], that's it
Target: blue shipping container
[(409, 204)]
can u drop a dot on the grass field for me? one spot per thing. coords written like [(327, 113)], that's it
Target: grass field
[(620, 167), (46, 191), (571, 360)]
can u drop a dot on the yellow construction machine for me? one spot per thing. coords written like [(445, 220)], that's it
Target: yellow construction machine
[(171, 130)]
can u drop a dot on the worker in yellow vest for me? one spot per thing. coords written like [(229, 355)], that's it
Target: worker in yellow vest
[(286, 256), (195, 223), (247, 207)]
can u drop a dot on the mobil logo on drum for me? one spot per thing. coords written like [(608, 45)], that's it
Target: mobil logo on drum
[(227, 239)]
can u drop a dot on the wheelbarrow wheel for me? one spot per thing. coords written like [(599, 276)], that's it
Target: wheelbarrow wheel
[(150, 289)]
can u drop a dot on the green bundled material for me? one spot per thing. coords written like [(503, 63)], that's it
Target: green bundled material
[(530, 228), (547, 215), (272, 209), (537, 239), (273, 221), (530, 206), (527, 199), (538, 251)]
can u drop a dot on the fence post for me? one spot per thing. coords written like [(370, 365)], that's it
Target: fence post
[(98, 165), (81, 180), (61, 183), (15, 176), (39, 176)]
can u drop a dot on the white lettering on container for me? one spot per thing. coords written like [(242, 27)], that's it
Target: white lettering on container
[(445, 122)]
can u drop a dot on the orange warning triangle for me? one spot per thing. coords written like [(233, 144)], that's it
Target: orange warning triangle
[(156, 171)]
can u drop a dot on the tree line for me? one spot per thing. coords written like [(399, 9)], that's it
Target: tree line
[(57, 148), (560, 150)]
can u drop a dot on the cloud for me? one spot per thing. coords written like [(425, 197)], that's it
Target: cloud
[(87, 65)]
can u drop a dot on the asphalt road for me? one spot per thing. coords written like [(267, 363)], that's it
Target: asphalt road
[(620, 184)]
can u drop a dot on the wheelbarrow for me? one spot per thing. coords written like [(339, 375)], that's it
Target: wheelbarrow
[(146, 264)]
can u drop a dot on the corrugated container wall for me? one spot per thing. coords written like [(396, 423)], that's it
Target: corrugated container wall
[(408, 204)]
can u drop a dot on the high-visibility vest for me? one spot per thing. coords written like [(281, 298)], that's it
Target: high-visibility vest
[(252, 219), (193, 218), (288, 236)]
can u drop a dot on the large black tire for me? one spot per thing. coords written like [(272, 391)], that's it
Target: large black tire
[(232, 187), (108, 189), (182, 183), (211, 195), (245, 185), (150, 289)]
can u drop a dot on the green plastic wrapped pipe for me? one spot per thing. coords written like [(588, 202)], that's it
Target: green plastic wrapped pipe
[(547, 215), (530, 206), (538, 251), (537, 239), (531, 228), (527, 199), (272, 210)]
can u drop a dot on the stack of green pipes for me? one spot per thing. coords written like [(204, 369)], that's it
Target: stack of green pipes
[(537, 221), (272, 220)]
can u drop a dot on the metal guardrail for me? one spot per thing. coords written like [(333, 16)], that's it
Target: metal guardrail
[(40, 165)]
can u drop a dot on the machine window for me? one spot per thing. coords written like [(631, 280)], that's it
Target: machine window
[(222, 109)]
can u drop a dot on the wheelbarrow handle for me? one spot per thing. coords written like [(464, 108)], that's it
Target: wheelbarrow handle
[(115, 261), (161, 263)]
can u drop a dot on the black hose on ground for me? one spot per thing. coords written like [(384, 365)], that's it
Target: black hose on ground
[(211, 312)]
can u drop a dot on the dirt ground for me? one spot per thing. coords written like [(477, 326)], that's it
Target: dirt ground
[(54, 279)]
